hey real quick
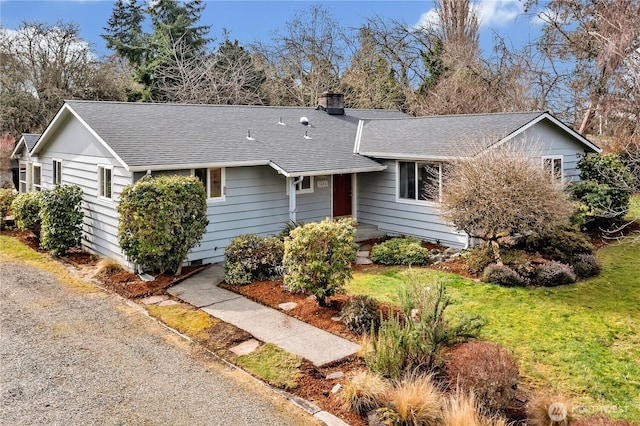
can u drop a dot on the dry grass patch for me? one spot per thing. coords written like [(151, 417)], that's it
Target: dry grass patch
[(462, 409), (186, 319)]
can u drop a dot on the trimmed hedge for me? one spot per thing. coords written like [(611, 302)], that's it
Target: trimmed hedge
[(26, 212), (161, 219), (62, 216)]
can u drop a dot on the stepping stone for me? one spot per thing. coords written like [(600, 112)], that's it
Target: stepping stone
[(363, 253), (287, 306), (168, 303), (152, 300), (245, 347), (335, 375), (363, 261)]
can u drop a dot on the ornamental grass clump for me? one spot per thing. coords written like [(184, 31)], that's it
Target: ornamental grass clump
[(416, 401), (364, 391), (318, 257)]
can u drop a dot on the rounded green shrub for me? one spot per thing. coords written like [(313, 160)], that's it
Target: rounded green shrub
[(554, 273), (318, 257), (586, 265), (361, 314), (502, 275), (252, 257), (400, 251), (562, 244), (61, 218), (161, 219), (6, 198), (478, 258), (26, 212)]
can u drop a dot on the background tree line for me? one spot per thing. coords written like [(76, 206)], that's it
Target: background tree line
[(585, 67)]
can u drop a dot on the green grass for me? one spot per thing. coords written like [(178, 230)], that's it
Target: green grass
[(582, 339), (273, 365)]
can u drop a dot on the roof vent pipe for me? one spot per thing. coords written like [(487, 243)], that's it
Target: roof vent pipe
[(249, 138), (304, 121)]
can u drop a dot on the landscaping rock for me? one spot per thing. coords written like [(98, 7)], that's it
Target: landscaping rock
[(168, 303), (153, 300), (245, 347), (336, 319), (287, 306), (451, 251), (337, 388), (335, 375), (363, 261)]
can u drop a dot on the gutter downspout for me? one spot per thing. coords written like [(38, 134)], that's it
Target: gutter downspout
[(292, 197)]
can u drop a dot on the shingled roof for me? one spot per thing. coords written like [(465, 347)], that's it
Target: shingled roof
[(147, 135), (444, 137)]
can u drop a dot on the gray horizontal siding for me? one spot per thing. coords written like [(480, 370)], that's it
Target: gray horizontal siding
[(377, 205), (81, 154)]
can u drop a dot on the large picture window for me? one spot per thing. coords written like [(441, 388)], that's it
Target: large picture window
[(420, 181), (104, 182), (213, 181)]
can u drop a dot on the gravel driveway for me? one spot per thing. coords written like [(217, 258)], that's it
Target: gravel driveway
[(69, 358)]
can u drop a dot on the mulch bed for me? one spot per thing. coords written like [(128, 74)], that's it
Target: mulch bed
[(130, 285)]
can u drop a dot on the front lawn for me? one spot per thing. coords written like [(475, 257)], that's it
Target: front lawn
[(581, 339)]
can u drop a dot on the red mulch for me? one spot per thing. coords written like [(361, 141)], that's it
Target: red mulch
[(130, 285)]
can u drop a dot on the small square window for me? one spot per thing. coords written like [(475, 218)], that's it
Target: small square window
[(303, 187), (553, 166)]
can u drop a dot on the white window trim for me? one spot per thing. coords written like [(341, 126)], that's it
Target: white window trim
[(33, 174), (223, 183), (26, 165), (102, 167), (552, 158), (417, 202), (309, 190), (53, 172)]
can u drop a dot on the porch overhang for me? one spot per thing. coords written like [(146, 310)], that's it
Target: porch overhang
[(352, 170)]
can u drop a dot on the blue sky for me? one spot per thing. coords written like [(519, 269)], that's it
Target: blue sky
[(250, 21)]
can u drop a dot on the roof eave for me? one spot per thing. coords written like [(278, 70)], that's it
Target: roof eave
[(323, 172), (21, 142), (162, 167)]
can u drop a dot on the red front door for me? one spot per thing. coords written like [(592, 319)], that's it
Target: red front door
[(341, 195)]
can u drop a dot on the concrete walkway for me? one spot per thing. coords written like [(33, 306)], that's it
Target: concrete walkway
[(264, 323)]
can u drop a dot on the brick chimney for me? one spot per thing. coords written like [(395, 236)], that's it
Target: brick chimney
[(332, 103)]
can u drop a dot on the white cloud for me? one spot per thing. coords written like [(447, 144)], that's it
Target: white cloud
[(491, 13)]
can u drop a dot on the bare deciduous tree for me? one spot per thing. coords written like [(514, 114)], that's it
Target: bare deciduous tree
[(502, 192), (306, 60), (227, 76), (43, 65)]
